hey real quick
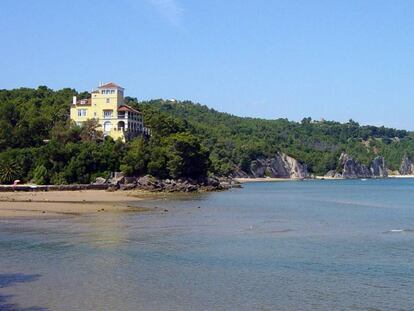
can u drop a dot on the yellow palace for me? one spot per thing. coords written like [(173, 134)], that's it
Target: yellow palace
[(106, 105)]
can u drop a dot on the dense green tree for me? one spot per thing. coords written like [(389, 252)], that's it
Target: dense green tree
[(157, 164), (186, 157), (10, 171), (136, 157), (40, 175), (91, 131)]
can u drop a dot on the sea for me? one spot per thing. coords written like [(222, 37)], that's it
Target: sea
[(297, 245)]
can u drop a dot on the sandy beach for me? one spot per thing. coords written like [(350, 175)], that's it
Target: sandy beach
[(401, 176), (53, 203)]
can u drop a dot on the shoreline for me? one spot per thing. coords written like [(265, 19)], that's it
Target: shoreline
[(69, 203), (341, 178), (272, 179), (243, 180)]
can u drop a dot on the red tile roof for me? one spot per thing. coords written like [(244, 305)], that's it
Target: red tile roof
[(109, 86), (128, 108)]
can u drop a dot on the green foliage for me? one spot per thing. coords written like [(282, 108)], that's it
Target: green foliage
[(58, 179), (186, 156), (90, 131), (28, 115), (234, 141), (39, 142), (40, 175), (9, 171), (171, 151), (135, 160), (157, 165)]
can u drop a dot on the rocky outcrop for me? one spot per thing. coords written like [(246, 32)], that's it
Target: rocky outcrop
[(153, 184), (351, 168), (333, 174), (280, 166), (147, 183), (407, 166), (100, 181), (379, 167)]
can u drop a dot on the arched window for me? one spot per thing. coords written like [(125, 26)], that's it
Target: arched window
[(121, 126)]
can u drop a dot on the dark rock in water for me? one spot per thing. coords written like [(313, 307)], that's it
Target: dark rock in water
[(237, 186), (212, 181), (150, 183), (407, 166), (146, 182), (280, 166)]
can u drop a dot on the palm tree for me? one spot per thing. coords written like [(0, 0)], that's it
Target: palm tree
[(9, 171)]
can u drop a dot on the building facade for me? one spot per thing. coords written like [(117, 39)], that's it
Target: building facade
[(106, 105)]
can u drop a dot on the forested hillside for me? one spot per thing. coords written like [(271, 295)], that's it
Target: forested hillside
[(235, 141), (39, 143)]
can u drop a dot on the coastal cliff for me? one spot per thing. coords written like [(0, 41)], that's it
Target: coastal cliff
[(350, 168), (279, 166), (407, 166)]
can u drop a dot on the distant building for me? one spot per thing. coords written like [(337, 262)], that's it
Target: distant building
[(106, 105)]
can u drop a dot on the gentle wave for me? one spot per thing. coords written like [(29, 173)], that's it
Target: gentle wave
[(399, 231)]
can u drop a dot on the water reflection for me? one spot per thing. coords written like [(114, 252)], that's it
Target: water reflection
[(8, 280), (107, 230), (281, 246)]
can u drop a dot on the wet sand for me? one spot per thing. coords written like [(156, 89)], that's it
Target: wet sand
[(54, 203)]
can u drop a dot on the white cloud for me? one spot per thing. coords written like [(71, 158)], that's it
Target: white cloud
[(170, 9)]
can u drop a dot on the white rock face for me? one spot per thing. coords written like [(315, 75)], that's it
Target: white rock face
[(351, 168), (280, 166), (407, 166), (378, 167)]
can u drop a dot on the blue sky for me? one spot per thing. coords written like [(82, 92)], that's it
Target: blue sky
[(332, 59)]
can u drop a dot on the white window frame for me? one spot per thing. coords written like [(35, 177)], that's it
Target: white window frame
[(107, 114), (82, 112), (107, 126)]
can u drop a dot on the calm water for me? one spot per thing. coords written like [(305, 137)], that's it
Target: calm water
[(312, 245)]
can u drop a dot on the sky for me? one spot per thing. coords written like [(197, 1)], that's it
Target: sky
[(292, 59)]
